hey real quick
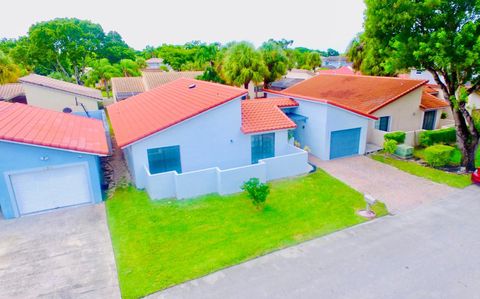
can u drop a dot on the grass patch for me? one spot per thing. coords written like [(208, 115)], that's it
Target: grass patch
[(162, 243), (439, 176)]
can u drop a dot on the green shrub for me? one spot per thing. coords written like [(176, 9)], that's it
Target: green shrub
[(398, 136), (442, 136), (390, 146), (438, 155), (257, 192), (444, 115)]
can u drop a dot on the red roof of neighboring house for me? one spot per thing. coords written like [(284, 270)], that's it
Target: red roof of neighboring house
[(360, 94), (344, 70), (262, 115), (62, 85), (430, 101), (150, 112), (10, 91), (37, 126)]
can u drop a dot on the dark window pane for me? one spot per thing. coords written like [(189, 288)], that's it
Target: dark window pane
[(263, 146), (164, 159)]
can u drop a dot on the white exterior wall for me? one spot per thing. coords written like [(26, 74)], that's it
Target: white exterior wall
[(322, 120), (57, 100), (473, 101), (225, 181)]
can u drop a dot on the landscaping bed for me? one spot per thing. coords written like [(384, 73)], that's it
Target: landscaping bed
[(158, 244), (420, 169)]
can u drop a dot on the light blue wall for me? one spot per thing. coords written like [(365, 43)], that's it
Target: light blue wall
[(322, 120), (18, 157)]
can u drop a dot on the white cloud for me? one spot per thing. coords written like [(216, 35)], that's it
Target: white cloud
[(315, 24)]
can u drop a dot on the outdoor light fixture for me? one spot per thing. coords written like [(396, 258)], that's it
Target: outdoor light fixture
[(368, 213), (44, 158)]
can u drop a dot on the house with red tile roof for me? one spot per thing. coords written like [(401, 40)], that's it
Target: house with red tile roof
[(48, 159), (61, 96), (13, 93), (190, 137), (344, 112)]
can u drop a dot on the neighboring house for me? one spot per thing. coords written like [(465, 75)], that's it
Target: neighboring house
[(338, 114), (156, 63), (284, 83), (61, 96), (49, 159), (191, 137), (299, 74), (335, 62), (125, 87), (13, 93), (344, 70), (474, 101)]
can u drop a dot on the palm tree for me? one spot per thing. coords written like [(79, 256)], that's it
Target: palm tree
[(275, 59), (103, 71), (129, 68), (242, 64)]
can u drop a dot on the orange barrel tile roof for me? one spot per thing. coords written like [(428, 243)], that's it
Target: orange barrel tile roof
[(155, 110), (262, 115), (430, 101), (37, 126), (62, 85), (361, 94)]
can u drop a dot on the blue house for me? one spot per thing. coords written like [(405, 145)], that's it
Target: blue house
[(48, 159)]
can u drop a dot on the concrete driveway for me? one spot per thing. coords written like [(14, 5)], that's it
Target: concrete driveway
[(61, 254), (431, 252), (399, 190)]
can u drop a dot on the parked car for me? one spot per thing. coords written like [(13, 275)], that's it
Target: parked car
[(476, 176)]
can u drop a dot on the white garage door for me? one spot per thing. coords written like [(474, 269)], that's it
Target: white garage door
[(51, 188)]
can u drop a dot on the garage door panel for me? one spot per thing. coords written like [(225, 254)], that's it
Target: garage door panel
[(51, 188), (344, 143)]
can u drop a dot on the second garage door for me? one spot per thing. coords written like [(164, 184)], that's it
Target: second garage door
[(51, 188), (344, 143)]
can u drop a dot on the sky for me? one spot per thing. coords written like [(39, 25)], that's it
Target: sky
[(314, 24)]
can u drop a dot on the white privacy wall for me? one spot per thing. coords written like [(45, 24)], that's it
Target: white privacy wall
[(225, 181)]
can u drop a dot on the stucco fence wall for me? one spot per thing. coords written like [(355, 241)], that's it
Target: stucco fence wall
[(225, 181), (377, 137)]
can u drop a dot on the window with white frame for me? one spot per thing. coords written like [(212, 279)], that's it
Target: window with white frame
[(383, 123)]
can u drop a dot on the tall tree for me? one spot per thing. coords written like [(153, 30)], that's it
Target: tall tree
[(9, 71), (129, 68), (332, 52), (441, 36), (243, 64), (64, 45), (275, 59), (114, 48), (102, 71)]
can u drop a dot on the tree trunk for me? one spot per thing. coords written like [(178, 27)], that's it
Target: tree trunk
[(105, 83)]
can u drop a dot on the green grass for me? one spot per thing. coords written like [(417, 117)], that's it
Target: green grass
[(439, 176), (158, 244)]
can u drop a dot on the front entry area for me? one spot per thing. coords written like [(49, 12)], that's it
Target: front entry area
[(50, 188), (344, 143)]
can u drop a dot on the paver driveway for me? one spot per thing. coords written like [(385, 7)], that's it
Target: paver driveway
[(397, 189), (430, 252), (61, 254)]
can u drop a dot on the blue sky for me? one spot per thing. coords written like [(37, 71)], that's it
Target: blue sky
[(314, 24)]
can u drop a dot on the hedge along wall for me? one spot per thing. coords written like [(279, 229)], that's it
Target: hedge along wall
[(442, 136), (398, 136)]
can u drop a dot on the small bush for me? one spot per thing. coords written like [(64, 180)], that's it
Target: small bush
[(442, 136), (438, 155), (444, 115), (257, 192), (398, 136), (390, 146)]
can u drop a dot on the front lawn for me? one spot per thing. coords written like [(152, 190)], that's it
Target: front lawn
[(158, 244), (439, 176)]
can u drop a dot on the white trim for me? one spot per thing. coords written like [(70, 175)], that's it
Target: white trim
[(13, 199), (193, 117), (54, 148)]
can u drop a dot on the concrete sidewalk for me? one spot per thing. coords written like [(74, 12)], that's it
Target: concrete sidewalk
[(431, 252)]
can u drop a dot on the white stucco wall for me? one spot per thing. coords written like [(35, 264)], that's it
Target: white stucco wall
[(57, 100), (474, 101), (322, 120)]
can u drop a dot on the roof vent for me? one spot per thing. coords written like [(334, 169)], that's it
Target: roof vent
[(191, 86)]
